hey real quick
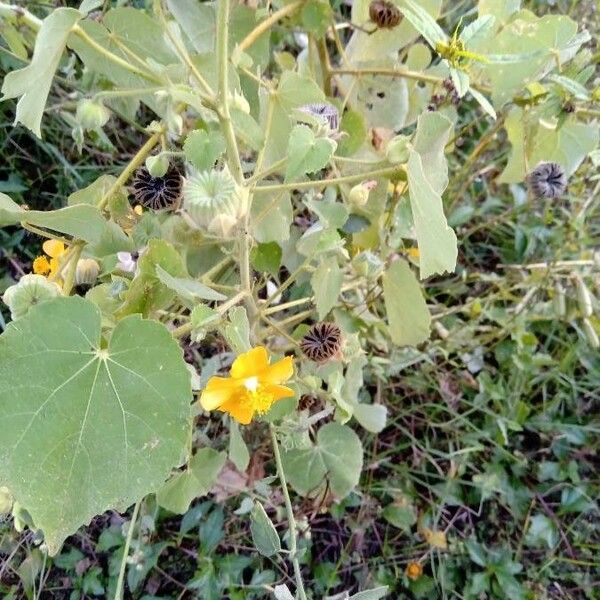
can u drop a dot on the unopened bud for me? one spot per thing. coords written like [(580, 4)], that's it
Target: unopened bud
[(359, 194), (91, 114), (86, 271), (397, 150), (157, 165)]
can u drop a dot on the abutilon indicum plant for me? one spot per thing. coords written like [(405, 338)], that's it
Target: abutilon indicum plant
[(288, 196)]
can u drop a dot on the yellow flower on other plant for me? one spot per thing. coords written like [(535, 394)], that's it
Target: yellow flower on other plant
[(252, 388), (414, 570), (49, 264)]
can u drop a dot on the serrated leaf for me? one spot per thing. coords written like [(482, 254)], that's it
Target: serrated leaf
[(401, 515), (307, 154), (542, 531), (76, 395), (202, 148), (81, 221), (187, 288), (337, 455), (198, 478), (264, 535), (238, 451), (31, 84), (408, 317), (326, 283), (237, 331), (427, 178)]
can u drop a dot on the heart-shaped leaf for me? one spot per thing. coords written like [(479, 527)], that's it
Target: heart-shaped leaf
[(306, 153), (86, 426)]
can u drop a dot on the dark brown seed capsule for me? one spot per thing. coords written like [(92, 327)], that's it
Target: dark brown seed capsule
[(157, 192), (384, 14), (547, 180), (310, 403), (322, 342)]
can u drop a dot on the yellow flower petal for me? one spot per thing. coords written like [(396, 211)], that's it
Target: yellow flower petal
[(250, 364), (278, 372), (54, 266), (239, 410), (53, 248), (279, 391), (218, 390), (41, 266)]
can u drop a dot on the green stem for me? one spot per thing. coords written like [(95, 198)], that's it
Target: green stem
[(233, 155), (293, 545), (72, 268), (134, 163), (388, 171), (122, 569)]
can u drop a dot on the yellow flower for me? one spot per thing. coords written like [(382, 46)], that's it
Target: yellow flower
[(252, 387), (414, 570), (54, 249), (413, 252), (41, 266)]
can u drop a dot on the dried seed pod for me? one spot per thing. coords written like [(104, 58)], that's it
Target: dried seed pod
[(384, 14), (322, 342), (310, 403), (157, 192), (547, 180)]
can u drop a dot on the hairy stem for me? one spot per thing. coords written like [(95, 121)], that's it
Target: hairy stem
[(121, 580), (265, 25), (293, 546)]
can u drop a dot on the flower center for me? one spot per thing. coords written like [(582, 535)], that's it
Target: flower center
[(255, 396)]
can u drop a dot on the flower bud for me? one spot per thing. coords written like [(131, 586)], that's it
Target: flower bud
[(359, 194), (27, 293), (91, 114), (157, 165), (214, 201), (397, 150), (238, 101), (86, 271)]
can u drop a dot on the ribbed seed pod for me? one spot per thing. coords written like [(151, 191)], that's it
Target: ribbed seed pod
[(322, 342), (157, 192), (211, 196), (30, 291), (547, 180), (384, 14), (86, 271)]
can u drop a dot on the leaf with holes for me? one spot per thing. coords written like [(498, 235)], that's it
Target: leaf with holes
[(87, 425)]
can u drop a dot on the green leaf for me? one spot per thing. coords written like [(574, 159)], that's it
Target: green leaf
[(238, 451), (95, 426), (147, 292), (197, 480), (316, 17), (542, 531), (354, 126), (82, 221), (31, 84), (331, 213), (373, 594), (202, 148), (93, 193), (326, 282), (337, 455), (307, 154), (271, 216), (264, 535), (401, 515), (267, 257), (427, 178), (237, 331), (187, 288), (372, 417), (408, 317), (197, 20), (424, 23)]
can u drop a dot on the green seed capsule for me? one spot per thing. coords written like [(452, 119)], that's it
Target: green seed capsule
[(584, 297), (591, 334), (559, 300)]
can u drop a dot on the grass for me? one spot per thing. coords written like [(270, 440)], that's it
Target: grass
[(492, 438)]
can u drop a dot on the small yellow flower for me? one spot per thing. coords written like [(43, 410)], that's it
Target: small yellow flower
[(252, 387), (414, 252), (414, 570), (138, 209), (41, 266), (54, 249)]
